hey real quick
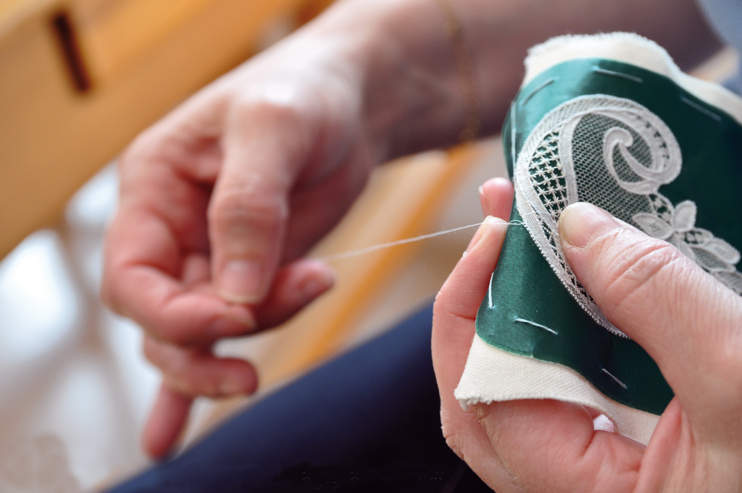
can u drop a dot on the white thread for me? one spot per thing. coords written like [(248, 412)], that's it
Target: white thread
[(700, 108), (489, 291), (615, 379), (524, 321), (533, 93), (513, 120), (363, 251), (603, 71)]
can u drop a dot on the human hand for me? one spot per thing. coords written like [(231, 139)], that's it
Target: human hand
[(219, 201), (262, 163), (221, 198), (687, 321)]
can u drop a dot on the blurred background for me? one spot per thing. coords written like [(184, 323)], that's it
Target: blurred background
[(78, 80)]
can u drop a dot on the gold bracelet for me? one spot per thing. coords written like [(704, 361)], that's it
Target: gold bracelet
[(455, 34)]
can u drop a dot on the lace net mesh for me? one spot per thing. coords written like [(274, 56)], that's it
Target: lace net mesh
[(547, 175), (613, 153)]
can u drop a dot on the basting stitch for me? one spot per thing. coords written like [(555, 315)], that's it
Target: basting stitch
[(512, 134), (533, 93), (615, 379), (489, 290), (603, 71), (524, 321), (700, 108)]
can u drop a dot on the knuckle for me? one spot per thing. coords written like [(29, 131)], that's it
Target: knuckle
[(171, 360), (250, 198), (455, 438), (453, 441), (181, 339), (145, 144), (179, 385), (275, 106), (185, 370), (248, 206), (134, 150), (439, 308), (210, 388), (446, 304), (194, 386), (726, 366), (152, 351)]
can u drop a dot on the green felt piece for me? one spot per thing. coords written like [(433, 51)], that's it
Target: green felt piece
[(524, 286)]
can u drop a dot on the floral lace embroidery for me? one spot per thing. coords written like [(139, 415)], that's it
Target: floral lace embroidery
[(676, 225), (614, 153)]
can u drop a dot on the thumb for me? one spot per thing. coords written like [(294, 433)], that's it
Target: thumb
[(250, 206), (659, 297)]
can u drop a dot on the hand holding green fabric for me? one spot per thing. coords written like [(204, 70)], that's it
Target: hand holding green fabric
[(222, 198), (684, 318)]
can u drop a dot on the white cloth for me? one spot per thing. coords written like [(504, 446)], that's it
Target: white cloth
[(495, 375)]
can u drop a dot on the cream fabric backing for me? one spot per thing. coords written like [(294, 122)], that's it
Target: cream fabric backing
[(495, 375)]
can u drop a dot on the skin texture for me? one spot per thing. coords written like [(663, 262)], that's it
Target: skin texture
[(220, 199), (687, 321)]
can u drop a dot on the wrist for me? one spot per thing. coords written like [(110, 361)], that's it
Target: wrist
[(423, 85), (419, 84), (383, 48)]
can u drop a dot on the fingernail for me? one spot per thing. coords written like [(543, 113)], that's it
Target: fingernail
[(241, 281), (484, 199), (315, 286), (488, 222), (581, 223)]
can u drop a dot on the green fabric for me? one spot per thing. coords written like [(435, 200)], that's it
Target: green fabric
[(524, 285)]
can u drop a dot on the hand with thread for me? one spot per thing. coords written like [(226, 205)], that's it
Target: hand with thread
[(685, 319), (219, 201), (222, 198)]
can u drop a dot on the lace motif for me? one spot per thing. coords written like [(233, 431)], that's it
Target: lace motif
[(614, 153)]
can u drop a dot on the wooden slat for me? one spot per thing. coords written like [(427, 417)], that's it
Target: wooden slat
[(10, 9), (53, 138), (117, 33)]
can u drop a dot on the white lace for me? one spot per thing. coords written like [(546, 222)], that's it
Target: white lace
[(613, 153)]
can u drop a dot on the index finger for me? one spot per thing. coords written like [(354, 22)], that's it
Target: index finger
[(138, 286)]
